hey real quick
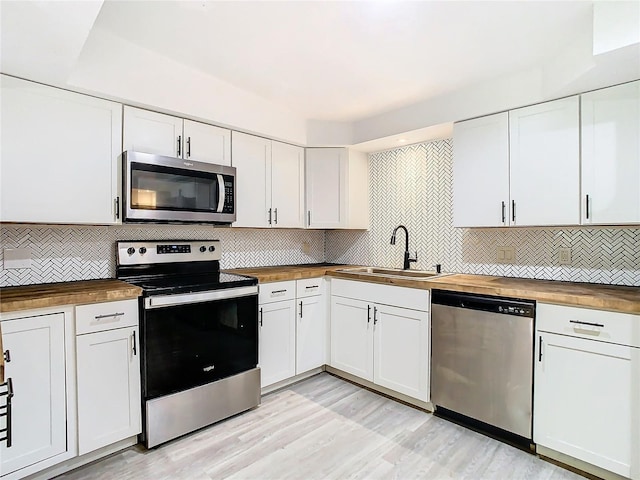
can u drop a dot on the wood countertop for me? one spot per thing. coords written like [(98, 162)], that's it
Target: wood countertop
[(288, 272), (13, 299)]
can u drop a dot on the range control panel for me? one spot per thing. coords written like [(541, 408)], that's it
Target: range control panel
[(167, 251)]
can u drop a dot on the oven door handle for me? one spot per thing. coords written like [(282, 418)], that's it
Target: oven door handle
[(160, 301)]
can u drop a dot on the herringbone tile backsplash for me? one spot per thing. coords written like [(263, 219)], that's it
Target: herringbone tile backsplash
[(413, 186), (63, 253)]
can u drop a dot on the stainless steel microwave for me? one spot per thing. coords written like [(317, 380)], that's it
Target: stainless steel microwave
[(172, 190)]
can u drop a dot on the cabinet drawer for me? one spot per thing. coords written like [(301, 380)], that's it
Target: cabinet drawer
[(98, 317), (309, 287), (614, 327), (404, 297), (276, 291)]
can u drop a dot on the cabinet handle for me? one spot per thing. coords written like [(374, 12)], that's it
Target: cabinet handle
[(261, 317), (269, 216), (278, 292), (504, 212), (587, 323), (375, 316), (587, 205), (188, 147), (540, 348), (300, 308), (179, 145), (133, 344), (7, 356), (116, 202), (275, 215), (108, 315), (311, 286), (513, 210), (368, 314), (308, 218), (5, 411)]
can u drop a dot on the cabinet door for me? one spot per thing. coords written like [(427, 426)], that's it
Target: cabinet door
[(352, 336), (287, 185), (59, 153), (481, 172), (277, 341), (401, 350), (252, 158), (311, 334), (207, 143), (545, 164), (584, 396), (152, 132), (108, 387), (37, 371), (610, 121), (326, 187)]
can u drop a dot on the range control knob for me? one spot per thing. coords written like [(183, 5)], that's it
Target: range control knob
[(143, 250), (203, 249), (131, 250), (212, 248)]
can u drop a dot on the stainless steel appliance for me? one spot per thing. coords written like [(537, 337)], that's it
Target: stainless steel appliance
[(198, 335), (482, 360), (166, 189)]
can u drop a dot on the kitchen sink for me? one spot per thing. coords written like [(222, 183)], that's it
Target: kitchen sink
[(393, 272)]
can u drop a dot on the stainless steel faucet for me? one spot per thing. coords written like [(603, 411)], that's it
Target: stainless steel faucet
[(407, 258)]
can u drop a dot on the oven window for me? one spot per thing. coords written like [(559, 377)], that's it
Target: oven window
[(156, 187), (189, 345)]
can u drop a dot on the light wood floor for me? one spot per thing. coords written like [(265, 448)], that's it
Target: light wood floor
[(326, 428)]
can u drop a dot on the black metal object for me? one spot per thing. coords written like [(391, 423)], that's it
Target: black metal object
[(5, 411)]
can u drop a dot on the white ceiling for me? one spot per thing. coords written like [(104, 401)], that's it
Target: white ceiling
[(344, 61), (376, 74)]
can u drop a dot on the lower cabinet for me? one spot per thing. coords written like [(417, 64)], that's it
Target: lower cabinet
[(277, 341), (384, 344), (587, 387), (311, 325), (34, 349)]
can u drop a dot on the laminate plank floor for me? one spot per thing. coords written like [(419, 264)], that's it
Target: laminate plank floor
[(327, 428)]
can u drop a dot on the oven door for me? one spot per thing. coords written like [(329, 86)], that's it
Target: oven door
[(197, 338), (167, 189)]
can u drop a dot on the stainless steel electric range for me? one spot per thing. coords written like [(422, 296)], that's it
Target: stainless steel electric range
[(199, 335)]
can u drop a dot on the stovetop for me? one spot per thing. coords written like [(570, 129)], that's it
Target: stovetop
[(172, 284)]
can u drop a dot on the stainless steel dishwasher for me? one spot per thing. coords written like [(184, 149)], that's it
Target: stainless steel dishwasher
[(482, 361)]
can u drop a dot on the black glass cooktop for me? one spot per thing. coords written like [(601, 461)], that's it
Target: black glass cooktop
[(171, 284)]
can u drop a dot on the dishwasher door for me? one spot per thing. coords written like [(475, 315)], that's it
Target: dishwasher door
[(482, 359)]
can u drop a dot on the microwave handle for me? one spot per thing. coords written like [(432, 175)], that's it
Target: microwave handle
[(221, 193)]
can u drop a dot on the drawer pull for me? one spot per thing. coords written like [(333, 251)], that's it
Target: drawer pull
[(279, 292), (108, 315), (312, 286), (587, 323)]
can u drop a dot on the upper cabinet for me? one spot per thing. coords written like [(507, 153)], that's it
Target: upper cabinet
[(269, 182), (610, 121), (481, 172), (59, 153), (544, 157), (160, 134), (337, 188)]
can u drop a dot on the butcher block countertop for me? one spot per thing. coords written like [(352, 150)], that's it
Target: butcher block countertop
[(288, 272), (13, 299)]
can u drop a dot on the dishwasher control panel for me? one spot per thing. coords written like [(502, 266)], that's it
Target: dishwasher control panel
[(486, 303)]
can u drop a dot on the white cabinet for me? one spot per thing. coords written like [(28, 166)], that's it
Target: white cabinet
[(59, 155), (610, 126), (36, 347), (160, 134), (587, 387), (311, 328), (108, 374), (481, 172), (374, 337), (277, 337), (544, 158), (337, 188), (269, 184)]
